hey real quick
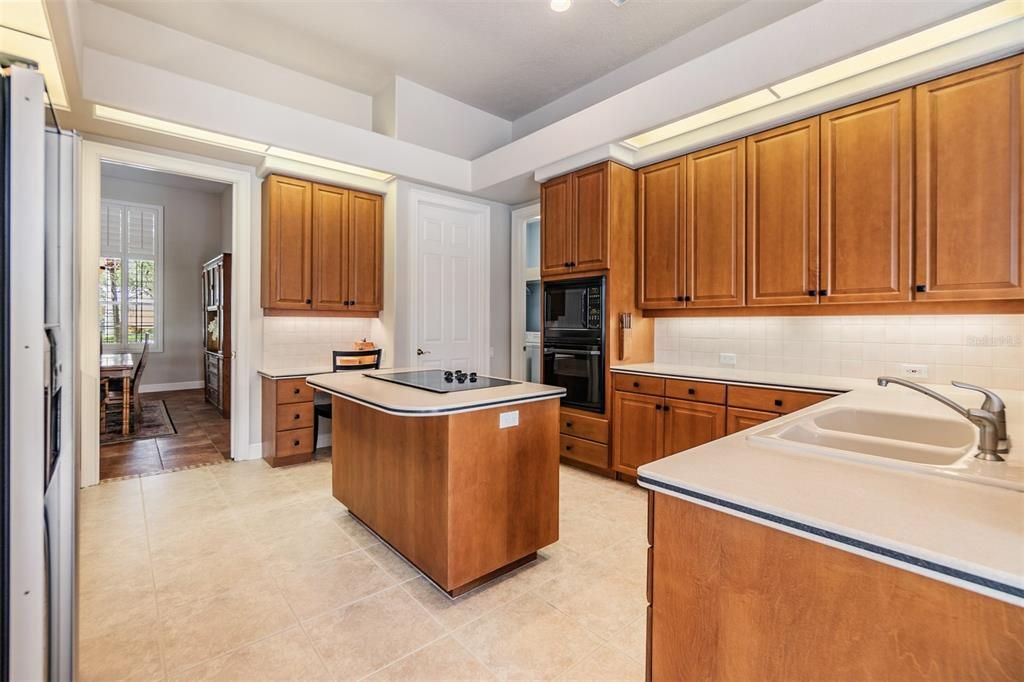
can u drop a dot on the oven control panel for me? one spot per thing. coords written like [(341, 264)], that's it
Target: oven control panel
[(594, 308)]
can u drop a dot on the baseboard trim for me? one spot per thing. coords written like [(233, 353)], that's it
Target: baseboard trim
[(179, 386)]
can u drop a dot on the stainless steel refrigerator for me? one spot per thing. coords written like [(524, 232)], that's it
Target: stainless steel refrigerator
[(38, 471)]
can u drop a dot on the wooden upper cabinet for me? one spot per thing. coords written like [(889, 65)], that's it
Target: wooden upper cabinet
[(661, 235), (590, 219), (866, 168), (322, 249), (287, 244), (969, 184), (556, 226), (689, 423), (715, 215), (330, 269), (638, 430), (782, 215), (366, 252)]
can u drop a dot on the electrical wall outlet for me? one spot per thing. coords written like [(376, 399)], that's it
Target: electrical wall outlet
[(727, 359), (915, 371)]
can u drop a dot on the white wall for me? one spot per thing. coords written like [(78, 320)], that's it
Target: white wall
[(225, 220), (981, 349), (427, 118), (500, 242), (194, 232)]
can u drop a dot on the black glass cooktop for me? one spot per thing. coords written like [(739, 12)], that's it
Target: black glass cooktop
[(442, 380)]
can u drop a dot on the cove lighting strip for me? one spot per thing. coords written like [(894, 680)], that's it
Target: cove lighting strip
[(951, 31), (158, 125)]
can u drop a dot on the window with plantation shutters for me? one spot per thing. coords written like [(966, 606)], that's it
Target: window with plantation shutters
[(131, 237)]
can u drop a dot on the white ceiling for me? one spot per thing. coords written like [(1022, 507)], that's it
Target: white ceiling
[(507, 57), (153, 177)]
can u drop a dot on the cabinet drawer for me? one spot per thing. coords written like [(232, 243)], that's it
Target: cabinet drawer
[(297, 442), (294, 391), (294, 416), (700, 391), (639, 384), (582, 426), (584, 451), (772, 399)]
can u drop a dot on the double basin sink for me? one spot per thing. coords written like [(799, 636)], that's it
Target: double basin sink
[(906, 441)]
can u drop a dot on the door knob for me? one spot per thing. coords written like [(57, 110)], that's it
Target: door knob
[(420, 351)]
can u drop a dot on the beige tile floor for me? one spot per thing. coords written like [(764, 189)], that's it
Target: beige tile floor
[(242, 572)]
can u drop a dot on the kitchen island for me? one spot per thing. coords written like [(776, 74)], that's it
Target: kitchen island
[(463, 484)]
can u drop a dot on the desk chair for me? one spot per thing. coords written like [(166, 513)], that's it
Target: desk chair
[(338, 364)]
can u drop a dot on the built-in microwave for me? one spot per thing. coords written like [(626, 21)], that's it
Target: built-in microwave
[(574, 307)]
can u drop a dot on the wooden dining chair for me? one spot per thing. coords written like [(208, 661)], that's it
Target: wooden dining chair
[(116, 394), (342, 361)]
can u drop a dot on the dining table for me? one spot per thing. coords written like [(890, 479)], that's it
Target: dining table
[(120, 365)]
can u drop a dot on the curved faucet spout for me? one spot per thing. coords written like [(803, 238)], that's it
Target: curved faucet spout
[(956, 407)]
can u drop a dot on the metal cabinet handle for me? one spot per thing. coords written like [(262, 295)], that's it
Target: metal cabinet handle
[(295, 443), (778, 402), (568, 425), (691, 391), (296, 416), (296, 391), (636, 384), (568, 448)]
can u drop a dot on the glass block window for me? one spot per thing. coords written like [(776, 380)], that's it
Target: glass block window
[(131, 237)]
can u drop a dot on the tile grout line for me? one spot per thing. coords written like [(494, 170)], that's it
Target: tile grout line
[(152, 575)]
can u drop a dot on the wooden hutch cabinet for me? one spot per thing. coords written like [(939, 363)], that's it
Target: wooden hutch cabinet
[(323, 249), (216, 277)]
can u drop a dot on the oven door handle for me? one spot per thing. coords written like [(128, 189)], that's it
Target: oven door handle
[(570, 351)]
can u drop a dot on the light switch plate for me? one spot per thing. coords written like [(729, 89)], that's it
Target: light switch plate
[(728, 359), (508, 419), (915, 371)]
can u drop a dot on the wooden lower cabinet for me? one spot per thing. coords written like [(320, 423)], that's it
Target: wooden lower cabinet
[(654, 417), (735, 600), (583, 438), (689, 423), (287, 429), (638, 427), (738, 419)]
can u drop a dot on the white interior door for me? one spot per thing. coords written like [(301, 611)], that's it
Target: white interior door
[(450, 302)]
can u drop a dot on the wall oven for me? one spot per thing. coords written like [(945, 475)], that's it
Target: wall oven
[(574, 340)]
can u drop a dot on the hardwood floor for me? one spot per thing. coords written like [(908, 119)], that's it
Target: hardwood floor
[(204, 437)]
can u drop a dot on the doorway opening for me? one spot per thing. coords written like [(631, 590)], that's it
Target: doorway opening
[(165, 320), (527, 304)]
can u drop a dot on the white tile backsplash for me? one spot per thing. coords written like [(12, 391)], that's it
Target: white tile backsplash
[(983, 349), (308, 341)]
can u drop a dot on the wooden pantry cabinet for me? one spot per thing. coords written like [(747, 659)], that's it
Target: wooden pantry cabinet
[(322, 249), (970, 181), (577, 215)]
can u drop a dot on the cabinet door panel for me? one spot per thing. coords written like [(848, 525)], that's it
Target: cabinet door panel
[(738, 419), (330, 250), (365, 252), (782, 215), (589, 241), (637, 428), (661, 258), (689, 424), (287, 244), (715, 198), (556, 226), (969, 183), (865, 200)]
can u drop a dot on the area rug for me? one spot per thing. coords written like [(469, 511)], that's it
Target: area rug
[(155, 422)]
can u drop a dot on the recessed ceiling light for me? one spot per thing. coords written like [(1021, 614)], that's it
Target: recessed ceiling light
[(956, 29), (561, 5), (177, 129), (326, 163), (740, 105)]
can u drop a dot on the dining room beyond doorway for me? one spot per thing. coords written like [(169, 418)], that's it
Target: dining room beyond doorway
[(165, 333)]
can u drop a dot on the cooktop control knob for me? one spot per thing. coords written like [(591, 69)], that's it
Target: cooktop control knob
[(472, 376), (448, 376)]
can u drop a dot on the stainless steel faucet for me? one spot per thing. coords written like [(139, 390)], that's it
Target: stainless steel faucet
[(990, 418)]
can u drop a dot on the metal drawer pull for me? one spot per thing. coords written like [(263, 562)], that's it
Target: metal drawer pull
[(568, 425), (778, 402), (296, 416), (691, 391), (295, 443), (296, 391)]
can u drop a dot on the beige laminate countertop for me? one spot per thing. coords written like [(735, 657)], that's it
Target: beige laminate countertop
[(293, 372), (405, 400), (961, 532)]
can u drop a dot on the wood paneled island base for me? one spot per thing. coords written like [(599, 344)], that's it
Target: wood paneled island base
[(460, 497)]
